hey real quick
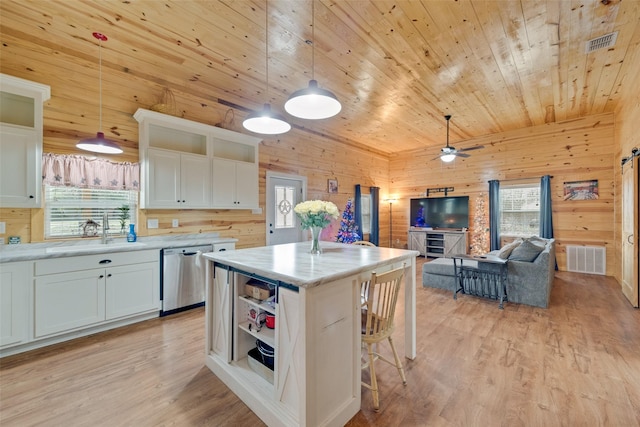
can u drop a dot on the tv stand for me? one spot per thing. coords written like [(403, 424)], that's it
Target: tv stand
[(438, 243)]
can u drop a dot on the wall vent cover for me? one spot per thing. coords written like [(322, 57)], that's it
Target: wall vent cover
[(601, 42), (587, 259)]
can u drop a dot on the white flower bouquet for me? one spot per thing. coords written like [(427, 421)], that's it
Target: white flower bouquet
[(316, 213)]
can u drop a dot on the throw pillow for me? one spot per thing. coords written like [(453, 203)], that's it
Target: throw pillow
[(538, 241), (526, 251), (506, 250)]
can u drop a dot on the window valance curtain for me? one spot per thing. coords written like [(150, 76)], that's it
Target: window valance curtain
[(82, 172)]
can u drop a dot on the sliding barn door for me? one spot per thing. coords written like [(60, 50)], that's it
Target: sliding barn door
[(630, 189)]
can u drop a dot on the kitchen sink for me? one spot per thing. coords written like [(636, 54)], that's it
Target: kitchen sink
[(98, 247)]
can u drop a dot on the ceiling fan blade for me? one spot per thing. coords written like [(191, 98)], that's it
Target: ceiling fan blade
[(471, 148), (435, 158), (459, 154)]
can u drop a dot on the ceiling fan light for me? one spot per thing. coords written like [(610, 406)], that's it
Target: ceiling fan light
[(313, 103), (447, 158), (266, 122), (99, 144)]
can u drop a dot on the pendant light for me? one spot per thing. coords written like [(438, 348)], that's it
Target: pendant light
[(265, 121), (447, 154), (313, 102), (99, 144)]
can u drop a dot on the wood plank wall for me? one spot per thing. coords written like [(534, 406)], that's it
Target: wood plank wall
[(573, 150), (299, 152)]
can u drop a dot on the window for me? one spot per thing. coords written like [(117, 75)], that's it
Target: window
[(285, 201), (67, 209), (520, 210), (365, 203)]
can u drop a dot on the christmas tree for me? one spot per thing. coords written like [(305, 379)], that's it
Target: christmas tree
[(348, 232)]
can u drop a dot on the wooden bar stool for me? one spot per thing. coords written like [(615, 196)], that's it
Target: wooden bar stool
[(378, 309)]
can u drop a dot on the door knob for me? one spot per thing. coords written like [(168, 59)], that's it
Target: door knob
[(630, 239)]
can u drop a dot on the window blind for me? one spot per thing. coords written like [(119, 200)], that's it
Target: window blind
[(67, 209)]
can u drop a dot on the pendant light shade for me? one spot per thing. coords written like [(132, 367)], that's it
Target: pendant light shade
[(99, 144), (266, 121), (313, 102)]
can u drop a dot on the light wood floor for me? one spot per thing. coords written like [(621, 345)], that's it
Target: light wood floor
[(574, 364)]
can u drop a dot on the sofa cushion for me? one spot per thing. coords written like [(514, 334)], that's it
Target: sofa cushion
[(538, 241), (526, 251), (506, 250)]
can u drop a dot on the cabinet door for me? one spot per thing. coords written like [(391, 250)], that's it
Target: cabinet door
[(132, 289), (68, 301), (163, 184), (195, 176), (20, 176), (455, 243), (418, 242), (219, 308), (246, 185), (224, 183), (14, 303)]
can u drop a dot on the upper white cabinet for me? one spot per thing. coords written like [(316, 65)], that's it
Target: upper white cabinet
[(190, 165), (21, 141)]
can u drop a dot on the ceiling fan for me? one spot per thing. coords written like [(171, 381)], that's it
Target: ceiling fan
[(449, 153)]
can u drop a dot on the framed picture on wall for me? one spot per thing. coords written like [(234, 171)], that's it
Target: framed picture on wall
[(581, 190), (332, 185)]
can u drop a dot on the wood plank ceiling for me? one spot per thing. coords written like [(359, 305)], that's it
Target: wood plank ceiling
[(397, 66)]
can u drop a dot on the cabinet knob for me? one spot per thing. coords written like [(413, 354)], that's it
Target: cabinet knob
[(183, 201), (101, 276), (32, 197), (109, 275), (105, 261)]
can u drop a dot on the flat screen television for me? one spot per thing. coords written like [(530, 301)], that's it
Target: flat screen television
[(440, 212)]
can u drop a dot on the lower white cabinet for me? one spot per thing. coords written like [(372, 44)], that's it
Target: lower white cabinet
[(66, 300), (14, 303)]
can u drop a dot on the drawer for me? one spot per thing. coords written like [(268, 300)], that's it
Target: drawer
[(86, 262)]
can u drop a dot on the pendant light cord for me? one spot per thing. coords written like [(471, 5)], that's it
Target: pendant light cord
[(100, 81), (313, 39), (266, 48)]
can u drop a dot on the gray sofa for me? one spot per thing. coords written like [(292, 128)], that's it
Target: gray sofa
[(528, 282)]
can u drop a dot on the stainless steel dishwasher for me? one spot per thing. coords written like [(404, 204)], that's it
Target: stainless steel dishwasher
[(182, 285)]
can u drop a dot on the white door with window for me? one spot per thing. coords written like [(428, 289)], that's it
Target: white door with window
[(283, 193)]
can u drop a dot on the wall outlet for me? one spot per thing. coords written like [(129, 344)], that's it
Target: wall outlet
[(152, 223), (175, 223), (3, 227), (257, 211)]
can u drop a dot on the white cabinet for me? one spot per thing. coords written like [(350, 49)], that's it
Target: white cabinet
[(177, 180), (67, 301), (235, 184), (14, 303), (21, 141), (77, 292), (190, 165)]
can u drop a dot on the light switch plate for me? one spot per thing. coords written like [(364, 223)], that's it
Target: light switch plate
[(152, 223), (3, 227), (175, 223)]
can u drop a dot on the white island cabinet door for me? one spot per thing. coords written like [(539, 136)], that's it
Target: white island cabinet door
[(14, 303), (219, 314), (69, 301), (132, 289)]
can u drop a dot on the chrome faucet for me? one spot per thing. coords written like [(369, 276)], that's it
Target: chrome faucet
[(105, 227)]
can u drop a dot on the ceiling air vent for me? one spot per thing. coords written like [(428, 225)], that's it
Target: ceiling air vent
[(601, 42)]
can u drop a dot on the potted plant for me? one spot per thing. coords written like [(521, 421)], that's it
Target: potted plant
[(123, 216)]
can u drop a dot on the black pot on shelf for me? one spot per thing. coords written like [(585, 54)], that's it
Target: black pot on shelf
[(266, 352)]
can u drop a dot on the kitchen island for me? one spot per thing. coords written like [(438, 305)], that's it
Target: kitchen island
[(316, 340)]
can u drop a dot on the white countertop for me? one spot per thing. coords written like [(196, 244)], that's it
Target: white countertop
[(292, 263), (60, 249)]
